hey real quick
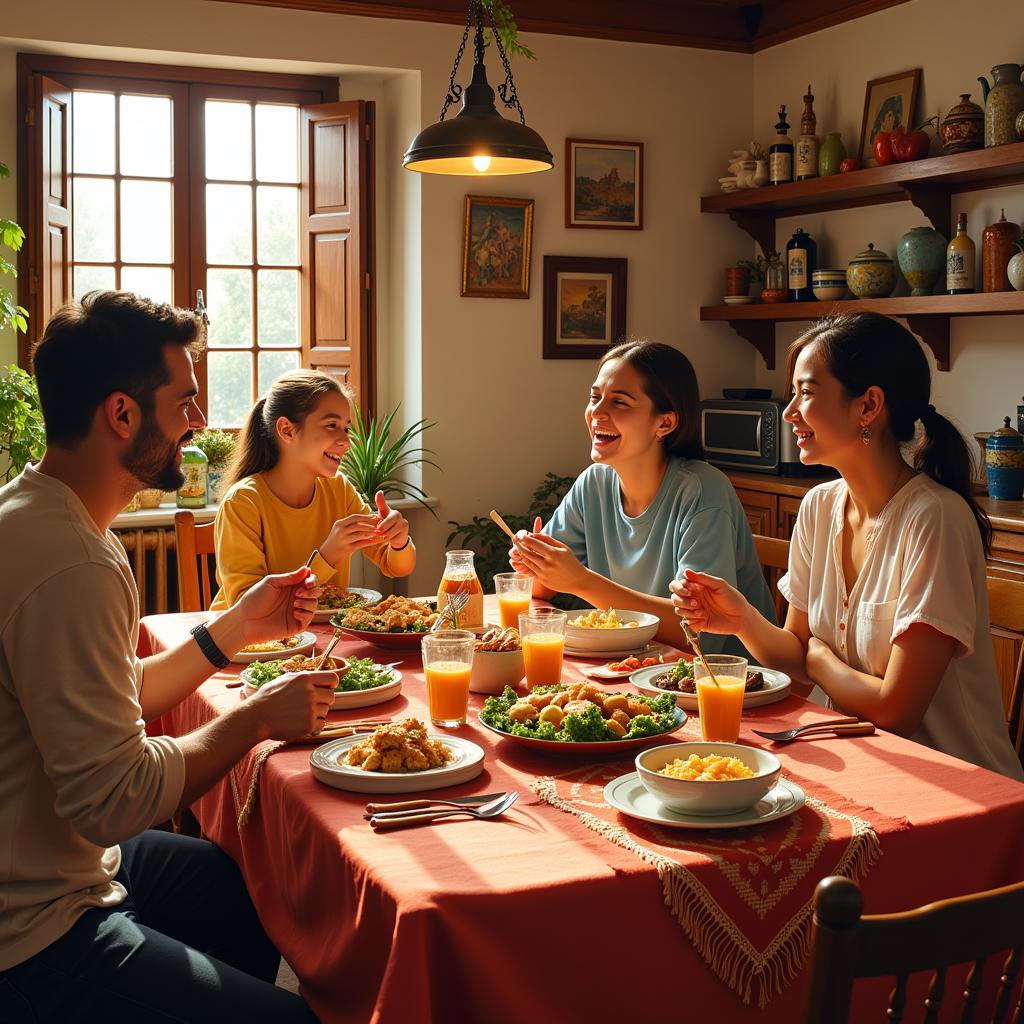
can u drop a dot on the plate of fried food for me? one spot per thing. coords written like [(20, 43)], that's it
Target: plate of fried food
[(269, 650), (402, 757), (606, 633), (334, 599), (764, 685), (394, 622), (581, 718), (362, 682)]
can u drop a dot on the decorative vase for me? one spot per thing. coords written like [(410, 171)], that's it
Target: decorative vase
[(871, 274), (1015, 271), (831, 154), (1004, 463), (760, 173), (215, 482), (963, 128), (998, 244), (737, 281), (922, 257), (1004, 100)]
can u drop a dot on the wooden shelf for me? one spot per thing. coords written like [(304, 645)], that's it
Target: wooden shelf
[(927, 316)]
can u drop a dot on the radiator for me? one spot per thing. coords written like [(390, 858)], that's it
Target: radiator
[(151, 553)]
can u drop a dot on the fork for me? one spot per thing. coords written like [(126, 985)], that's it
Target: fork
[(840, 726), (401, 819), (422, 805), (456, 602)]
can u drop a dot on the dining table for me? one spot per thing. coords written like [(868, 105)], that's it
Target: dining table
[(563, 909)]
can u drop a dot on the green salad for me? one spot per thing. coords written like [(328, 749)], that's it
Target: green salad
[(581, 720), (362, 674)]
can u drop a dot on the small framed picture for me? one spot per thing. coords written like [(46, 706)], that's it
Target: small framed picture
[(604, 184), (496, 247), (888, 103), (584, 306)]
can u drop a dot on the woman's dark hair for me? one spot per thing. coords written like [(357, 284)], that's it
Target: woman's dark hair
[(294, 396), (865, 349), (107, 342), (671, 385)]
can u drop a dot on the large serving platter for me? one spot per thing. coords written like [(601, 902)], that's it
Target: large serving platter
[(628, 796), (306, 644), (392, 641), (599, 749), (776, 687), (368, 596), (345, 699), (327, 765)]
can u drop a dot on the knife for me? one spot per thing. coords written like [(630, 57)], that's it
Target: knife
[(412, 805)]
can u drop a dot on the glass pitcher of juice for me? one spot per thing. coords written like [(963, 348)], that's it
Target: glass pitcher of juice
[(460, 578)]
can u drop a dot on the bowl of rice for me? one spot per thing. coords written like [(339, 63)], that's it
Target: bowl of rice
[(707, 778)]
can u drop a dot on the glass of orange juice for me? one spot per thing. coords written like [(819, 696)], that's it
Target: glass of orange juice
[(543, 636), (514, 590), (720, 706), (447, 660)]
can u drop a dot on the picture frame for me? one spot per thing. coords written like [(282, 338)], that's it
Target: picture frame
[(584, 305), (889, 103), (496, 247), (604, 184)]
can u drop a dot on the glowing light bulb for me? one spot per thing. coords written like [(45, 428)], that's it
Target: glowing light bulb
[(481, 163)]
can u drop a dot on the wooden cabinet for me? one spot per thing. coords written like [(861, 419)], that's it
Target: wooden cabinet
[(761, 510)]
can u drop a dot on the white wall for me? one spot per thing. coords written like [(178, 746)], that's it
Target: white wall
[(504, 415), (953, 45)]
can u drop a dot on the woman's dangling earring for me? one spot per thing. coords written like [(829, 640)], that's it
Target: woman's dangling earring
[(865, 435)]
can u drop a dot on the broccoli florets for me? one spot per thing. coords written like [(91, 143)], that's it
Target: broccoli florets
[(585, 726)]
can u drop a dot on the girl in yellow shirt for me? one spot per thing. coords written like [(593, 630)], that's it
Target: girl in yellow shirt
[(286, 495)]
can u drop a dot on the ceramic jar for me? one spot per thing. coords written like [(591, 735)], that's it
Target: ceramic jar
[(921, 253), (1004, 463), (831, 154), (871, 274), (998, 246), (963, 128), (1015, 270), (1004, 101), (829, 285)]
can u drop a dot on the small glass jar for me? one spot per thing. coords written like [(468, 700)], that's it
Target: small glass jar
[(195, 467), (460, 578), (775, 273)]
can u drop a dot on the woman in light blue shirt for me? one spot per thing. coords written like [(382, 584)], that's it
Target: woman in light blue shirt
[(649, 507)]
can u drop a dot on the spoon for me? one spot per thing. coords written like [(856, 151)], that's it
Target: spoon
[(327, 650), (840, 726), (691, 638), (501, 522)]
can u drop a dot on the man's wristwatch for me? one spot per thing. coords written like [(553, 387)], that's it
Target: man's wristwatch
[(214, 655)]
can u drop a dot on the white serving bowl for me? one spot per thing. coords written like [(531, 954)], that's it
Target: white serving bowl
[(692, 797), (594, 640), (492, 671)]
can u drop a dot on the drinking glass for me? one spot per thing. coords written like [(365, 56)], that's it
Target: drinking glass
[(720, 707), (514, 590), (447, 660), (543, 635)]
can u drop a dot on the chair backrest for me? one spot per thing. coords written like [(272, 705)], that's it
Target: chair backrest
[(963, 930), (1006, 612), (195, 546), (773, 554)]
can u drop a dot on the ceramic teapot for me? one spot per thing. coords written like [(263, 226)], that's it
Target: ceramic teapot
[(1004, 100)]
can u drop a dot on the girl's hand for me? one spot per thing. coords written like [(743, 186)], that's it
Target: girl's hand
[(708, 603), (278, 605), (392, 526), (550, 562), (349, 535), (514, 558)]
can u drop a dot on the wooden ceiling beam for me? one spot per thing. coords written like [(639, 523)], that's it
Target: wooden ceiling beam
[(790, 19)]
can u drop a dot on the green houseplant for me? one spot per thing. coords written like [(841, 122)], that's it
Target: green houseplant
[(11, 237), (373, 462), (218, 446)]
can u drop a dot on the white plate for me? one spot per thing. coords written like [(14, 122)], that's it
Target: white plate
[(306, 645), (345, 699), (326, 763), (776, 687), (369, 597), (651, 651), (737, 300), (647, 650), (627, 795)]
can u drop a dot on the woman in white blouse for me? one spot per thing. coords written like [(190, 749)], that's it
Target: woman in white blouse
[(888, 611)]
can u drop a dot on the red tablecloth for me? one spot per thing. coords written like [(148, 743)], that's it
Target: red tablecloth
[(536, 917)]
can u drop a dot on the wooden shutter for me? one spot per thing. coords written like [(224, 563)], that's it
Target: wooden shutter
[(49, 222), (336, 144)]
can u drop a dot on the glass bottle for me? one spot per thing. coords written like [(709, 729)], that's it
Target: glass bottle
[(780, 153), (460, 578), (960, 260), (195, 467), (807, 144), (801, 261), (775, 274)]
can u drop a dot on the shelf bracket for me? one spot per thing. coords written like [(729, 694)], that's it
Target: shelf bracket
[(760, 334), (759, 224), (934, 332), (933, 202)]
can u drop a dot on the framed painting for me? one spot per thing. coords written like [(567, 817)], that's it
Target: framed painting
[(604, 184), (496, 247), (888, 103), (584, 306)]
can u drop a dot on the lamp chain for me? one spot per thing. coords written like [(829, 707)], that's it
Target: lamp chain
[(507, 89), (454, 89)]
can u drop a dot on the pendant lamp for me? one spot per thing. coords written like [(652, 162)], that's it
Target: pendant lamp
[(479, 141)]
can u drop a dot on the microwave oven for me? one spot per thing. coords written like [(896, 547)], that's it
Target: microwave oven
[(751, 435)]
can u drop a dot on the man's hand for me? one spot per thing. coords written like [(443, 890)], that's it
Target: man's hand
[(278, 606), (294, 704), (392, 527)]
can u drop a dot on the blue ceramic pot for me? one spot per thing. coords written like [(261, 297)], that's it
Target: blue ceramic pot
[(921, 253), (1004, 463)]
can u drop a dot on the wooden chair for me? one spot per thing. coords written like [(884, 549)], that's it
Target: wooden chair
[(195, 547), (1006, 614), (773, 554), (963, 930)]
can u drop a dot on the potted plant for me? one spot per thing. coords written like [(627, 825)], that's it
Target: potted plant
[(738, 278), (218, 446)]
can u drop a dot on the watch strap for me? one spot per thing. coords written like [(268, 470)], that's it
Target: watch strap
[(213, 654)]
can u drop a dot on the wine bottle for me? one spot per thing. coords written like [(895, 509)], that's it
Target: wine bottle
[(960, 260), (801, 262), (780, 153)]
